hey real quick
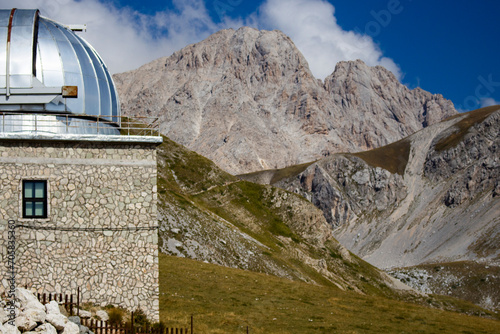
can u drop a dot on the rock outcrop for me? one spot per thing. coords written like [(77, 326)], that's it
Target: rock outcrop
[(431, 197), (209, 215), (34, 317), (247, 100), (478, 283)]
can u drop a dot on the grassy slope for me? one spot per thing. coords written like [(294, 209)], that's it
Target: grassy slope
[(195, 183), (224, 305), (463, 126), (278, 174), (393, 157), (226, 300)]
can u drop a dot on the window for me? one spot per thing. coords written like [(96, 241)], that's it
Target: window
[(34, 199)]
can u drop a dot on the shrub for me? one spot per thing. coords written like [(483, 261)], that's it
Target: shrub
[(140, 318), (116, 316)]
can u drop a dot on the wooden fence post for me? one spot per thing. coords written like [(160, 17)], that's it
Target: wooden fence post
[(132, 323), (192, 324), (71, 304), (78, 301)]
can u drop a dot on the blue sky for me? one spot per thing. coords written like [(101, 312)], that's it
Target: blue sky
[(449, 47)]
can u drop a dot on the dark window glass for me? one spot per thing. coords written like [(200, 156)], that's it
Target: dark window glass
[(34, 199)]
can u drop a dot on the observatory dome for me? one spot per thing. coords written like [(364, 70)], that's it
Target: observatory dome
[(51, 79)]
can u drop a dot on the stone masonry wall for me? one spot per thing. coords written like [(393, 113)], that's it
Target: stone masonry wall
[(90, 185)]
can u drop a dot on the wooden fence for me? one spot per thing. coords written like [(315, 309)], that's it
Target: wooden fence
[(104, 327), (62, 299)]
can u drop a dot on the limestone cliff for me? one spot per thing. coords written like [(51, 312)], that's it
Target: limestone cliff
[(247, 100), (431, 197)]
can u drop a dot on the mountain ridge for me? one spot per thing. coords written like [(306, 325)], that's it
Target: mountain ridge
[(222, 220), (247, 100), (399, 217)]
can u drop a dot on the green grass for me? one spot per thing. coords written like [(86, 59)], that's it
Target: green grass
[(288, 172), (278, 174), (393, 157), (250, 209), (473, 117), (188, 169), (225, 300)]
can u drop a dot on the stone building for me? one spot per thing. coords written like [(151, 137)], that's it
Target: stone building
[(82, 194)]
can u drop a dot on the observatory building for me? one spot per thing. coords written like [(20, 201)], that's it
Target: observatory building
[(76, 178)]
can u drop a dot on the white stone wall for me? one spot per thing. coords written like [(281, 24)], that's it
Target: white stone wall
[(90, 185)]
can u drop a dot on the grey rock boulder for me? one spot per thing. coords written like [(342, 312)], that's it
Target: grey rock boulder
[(103, 315), (84, 314), (71, 328), (9, 329), (26, 297), (35, 314), (3, 316), (75, 319), (52, 308), (24, 323), (46, 328), (57, 320)]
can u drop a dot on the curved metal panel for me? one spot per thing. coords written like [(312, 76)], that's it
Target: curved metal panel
[(53, 58), (91, 103), (115, 107), (70, 67), (38, 60), (50, 59), (3, 56), (24, 17), (22, 48), (114, 101), (4, 17), (104, 95), (4, 24), (49, 66), (75, 106), (102, 80)]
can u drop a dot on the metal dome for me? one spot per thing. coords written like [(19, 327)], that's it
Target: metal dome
[(46, 69)]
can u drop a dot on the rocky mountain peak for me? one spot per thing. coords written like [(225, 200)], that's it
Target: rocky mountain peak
[(377, 92), (267, 54), (247, 100)]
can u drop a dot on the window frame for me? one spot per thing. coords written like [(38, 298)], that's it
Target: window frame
[(43, 200)]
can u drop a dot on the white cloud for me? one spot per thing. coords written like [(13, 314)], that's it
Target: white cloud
[(312, 26), (488, 101), (127, 39)]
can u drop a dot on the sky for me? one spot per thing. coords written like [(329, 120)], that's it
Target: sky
[(448, 47)]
